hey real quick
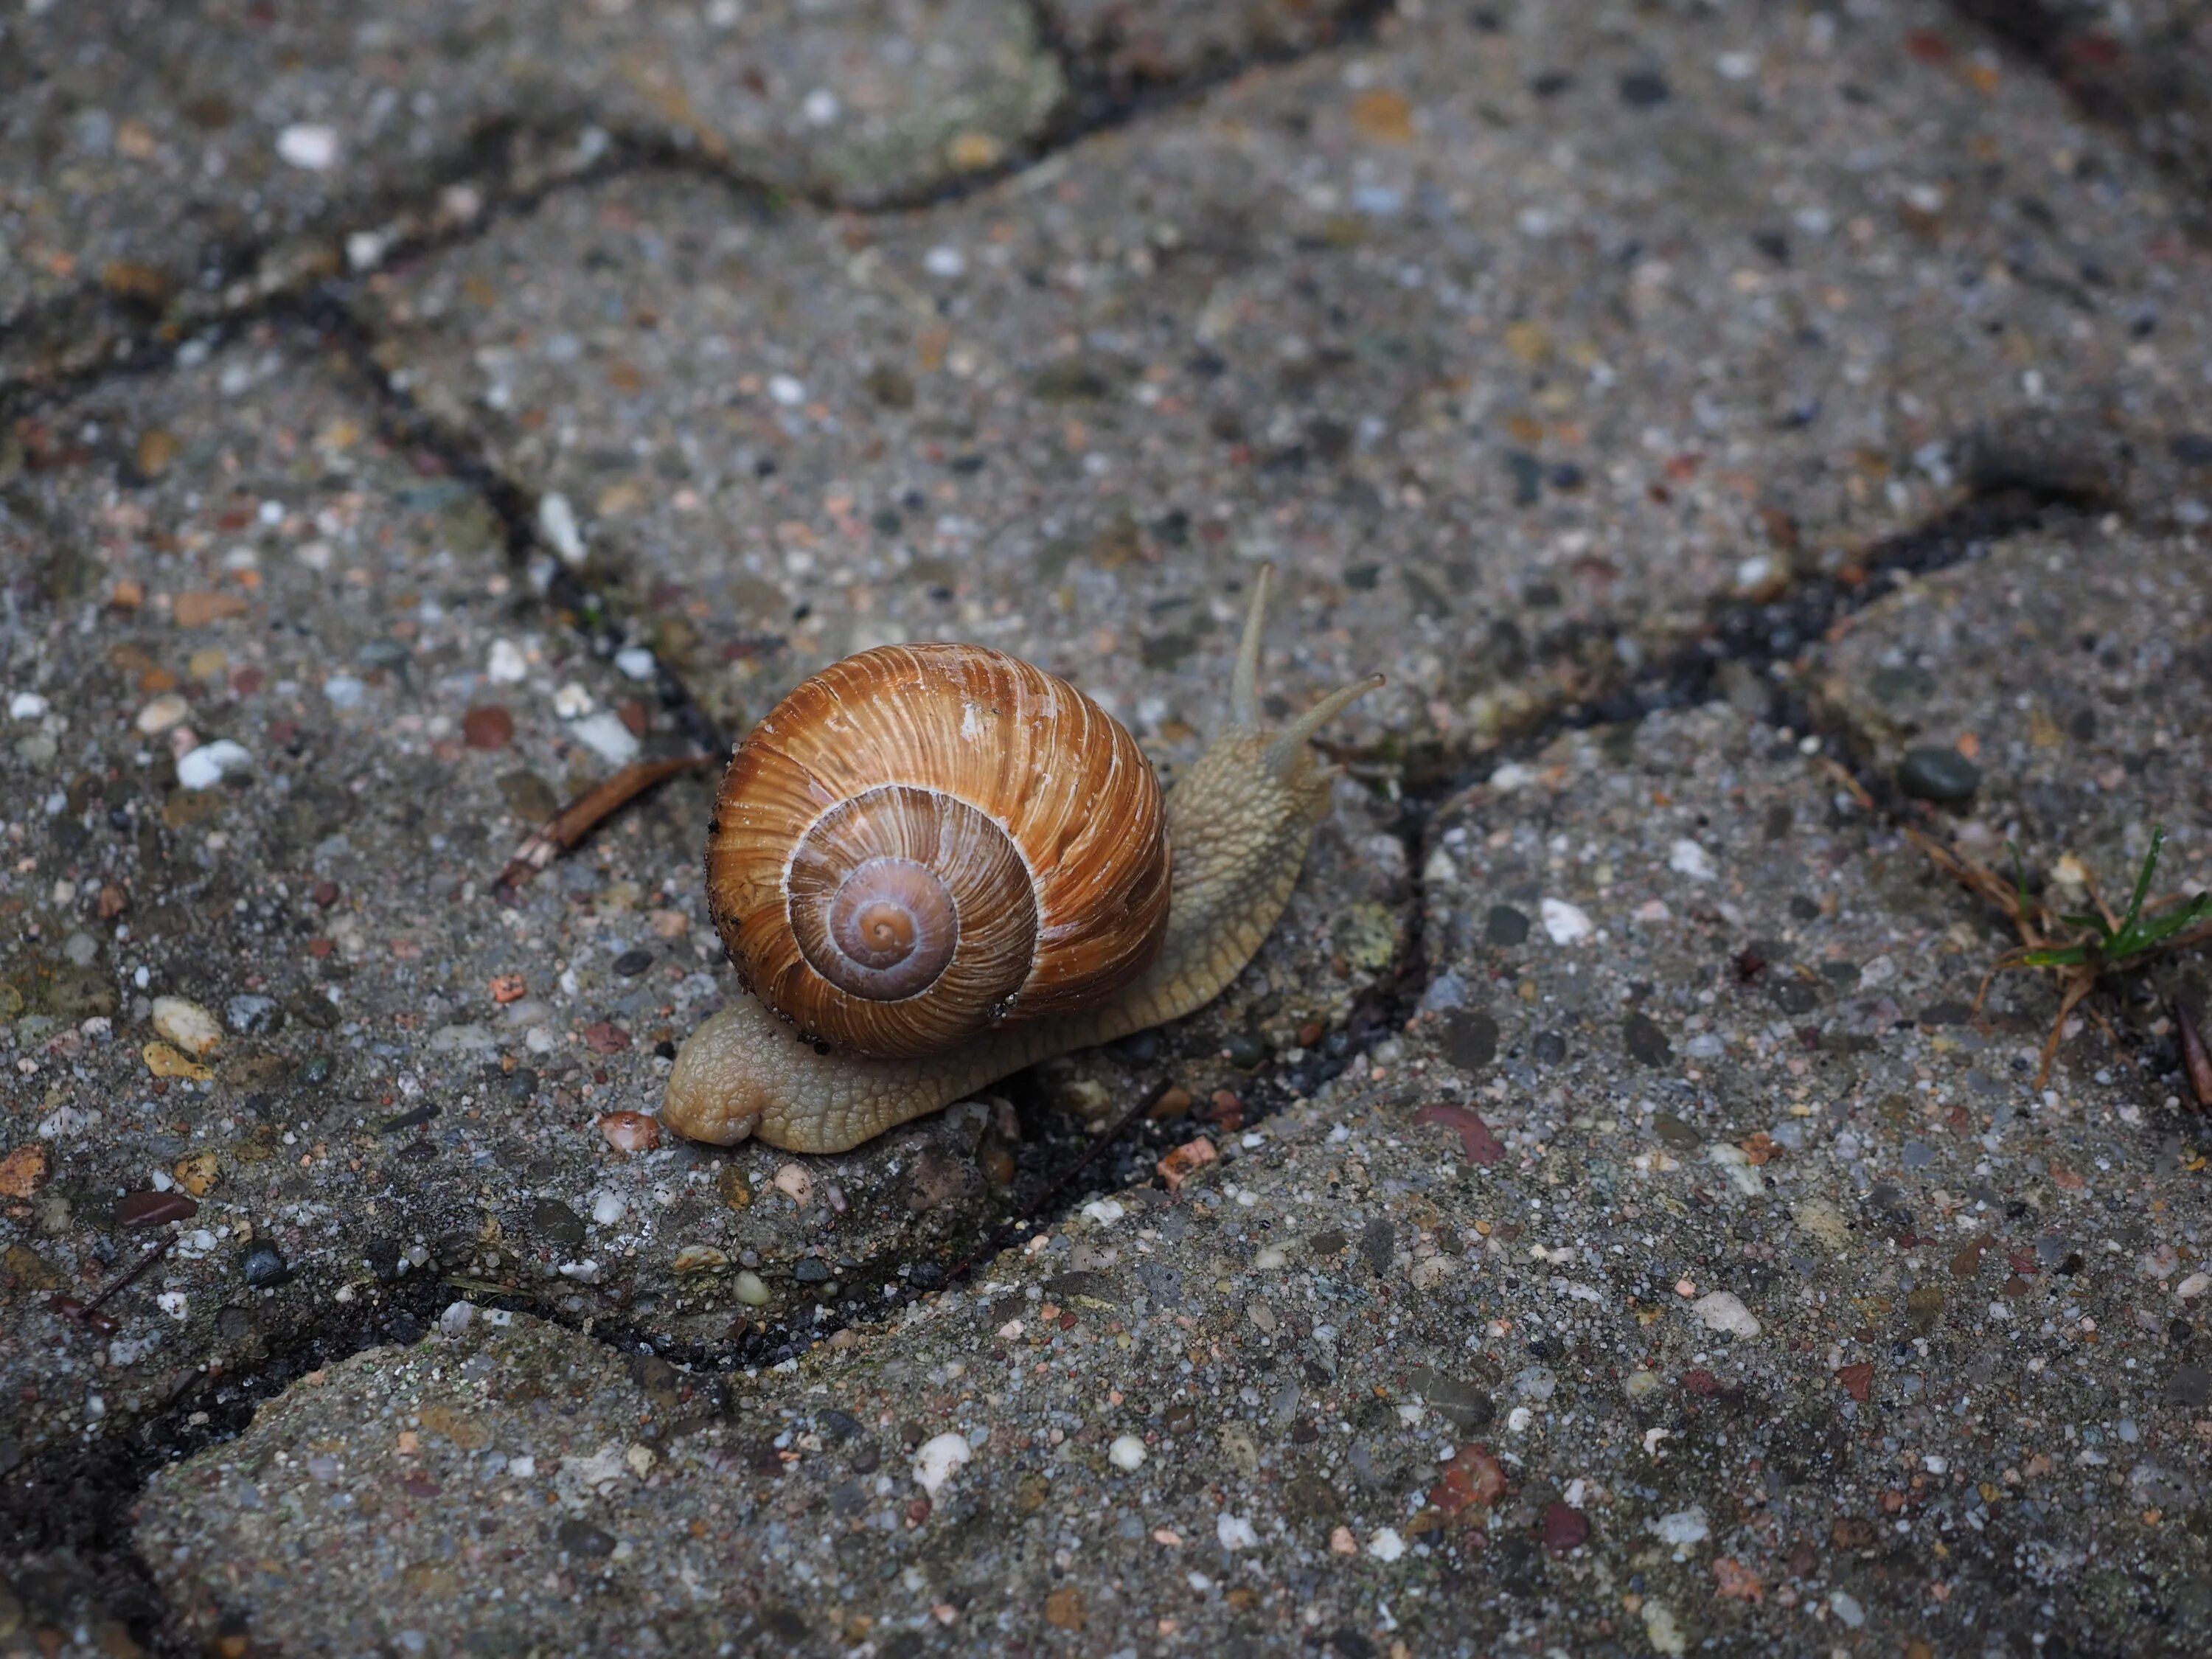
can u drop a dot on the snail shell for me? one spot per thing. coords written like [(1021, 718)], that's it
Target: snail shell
[(922, 840)]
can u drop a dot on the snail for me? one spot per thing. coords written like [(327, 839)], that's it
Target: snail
[(935, 864)]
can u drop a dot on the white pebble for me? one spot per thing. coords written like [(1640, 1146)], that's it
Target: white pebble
[(205, 766), (821, 107), (942, 261), (344, 691), (1566, 923), (2193, 1286), (1104, 1211), (26, 705), (1235, 1532), (172, 1303), (608, 1208), (1126, 1454), (456, 1317), (786, 390), (1386, 1544), (189, 1026), (1661, 1631), (937, 1458), (307, 144), (1682, 1528), (1687, 858), (605, 736), (1724, 1310), (505, 664), (572, 701), (161, 714), (636, 663), (556, 522)]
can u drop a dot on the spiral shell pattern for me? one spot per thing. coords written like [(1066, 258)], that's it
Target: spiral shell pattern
[(922, 840)]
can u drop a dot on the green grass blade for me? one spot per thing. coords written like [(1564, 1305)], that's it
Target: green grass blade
[(2140, 936), (2071, 956), (2143, 881)]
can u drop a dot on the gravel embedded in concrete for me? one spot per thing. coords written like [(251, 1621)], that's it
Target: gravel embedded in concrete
[(1599, 1220)]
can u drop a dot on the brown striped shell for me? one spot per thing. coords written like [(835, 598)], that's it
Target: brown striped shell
[(922, 840)]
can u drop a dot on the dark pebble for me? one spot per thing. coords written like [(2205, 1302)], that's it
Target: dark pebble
[(1469, 1039), (1243, 1052), (1465, 1404), (1795, 996), (406, 1330), (1647, 1044), (1943, 774), (552, 1220), (1946, 1012), (581, 1537), (1904, 684), (522, 1082), (810, 1270), (1676, 1132), (1642, 89), (1141, 1049), (1550, 1048), (893, 388), (152, 1209), (263, 1267), (1505, 925), (1376, 1241), (926, 1276), (630, 963), (2190, 448), (1528, 474)]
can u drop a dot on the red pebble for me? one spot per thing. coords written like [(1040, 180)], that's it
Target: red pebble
[(605, 1037), (152, 1209), (1565, 1528), (488, 727), (630, 1131)]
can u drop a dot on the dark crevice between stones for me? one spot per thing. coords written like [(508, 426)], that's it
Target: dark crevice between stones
[(512, 165), (1741, 640), (515, 163), (570, 592), (2155, 93)]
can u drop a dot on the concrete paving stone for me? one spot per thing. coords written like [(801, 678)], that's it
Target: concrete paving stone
[(405, 1077), (2077, 669), (378, 1071), (186, 160), (1360, 1389), (1519, 350), (2143, 69), (1135, 44)]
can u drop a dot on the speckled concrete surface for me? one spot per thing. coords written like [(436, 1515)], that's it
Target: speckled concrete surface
[(1599, 1221), (186, 160), (1520, 348)]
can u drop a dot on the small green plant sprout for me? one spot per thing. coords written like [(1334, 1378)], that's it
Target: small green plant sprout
[(2079, 948)]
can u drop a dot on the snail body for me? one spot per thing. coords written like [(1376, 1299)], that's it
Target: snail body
[(825, 838)]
